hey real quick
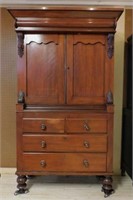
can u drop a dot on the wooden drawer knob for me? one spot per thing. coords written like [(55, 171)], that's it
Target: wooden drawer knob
[(86, 126), (86, 163), (43, 127), (43, 163), (86, 144), (43, 144)]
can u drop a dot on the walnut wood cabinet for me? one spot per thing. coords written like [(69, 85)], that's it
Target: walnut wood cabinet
[(65, 92)]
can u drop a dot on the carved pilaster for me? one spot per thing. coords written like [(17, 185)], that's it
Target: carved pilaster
[(21, 96), (110, 48), (109, 98), (20, 44)]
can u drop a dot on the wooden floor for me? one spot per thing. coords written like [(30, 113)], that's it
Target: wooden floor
[(64, 188)]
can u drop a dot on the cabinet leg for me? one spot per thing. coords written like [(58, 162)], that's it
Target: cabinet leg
[(21, 180), (107, 186)]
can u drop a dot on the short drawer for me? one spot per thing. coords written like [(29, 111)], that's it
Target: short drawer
[(44, 125), (65, 162), (66, 143), (86, 125)]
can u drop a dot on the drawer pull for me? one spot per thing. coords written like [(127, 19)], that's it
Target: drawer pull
[(43, 127), (43, 163), (87, 128), (86, 144), (86, 163), (43, 144)]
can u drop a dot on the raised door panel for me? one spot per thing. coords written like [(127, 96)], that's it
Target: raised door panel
[(86, 69), (44, 73)]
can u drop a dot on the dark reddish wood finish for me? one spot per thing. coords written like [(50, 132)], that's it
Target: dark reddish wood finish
[(43, 58), (68, 18), (82, 87), (43, 125), (65, 91), (86, 125), (64, 143), (69, 162)]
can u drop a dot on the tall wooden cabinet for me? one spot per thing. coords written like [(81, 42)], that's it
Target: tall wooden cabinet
[(65, 92)]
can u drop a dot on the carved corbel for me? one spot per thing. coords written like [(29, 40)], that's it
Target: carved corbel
[(20, 44), (109, 98), (110, 43), (21, 97)]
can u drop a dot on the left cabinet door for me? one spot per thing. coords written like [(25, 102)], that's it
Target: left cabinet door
[(41, 69)]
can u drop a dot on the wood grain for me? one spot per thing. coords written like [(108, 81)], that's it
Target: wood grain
[(79, 125), (64, 143), (35, 125), (65, 71), (70, 162)]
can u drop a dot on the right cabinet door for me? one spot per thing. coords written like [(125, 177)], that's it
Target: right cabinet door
[(86, 69)]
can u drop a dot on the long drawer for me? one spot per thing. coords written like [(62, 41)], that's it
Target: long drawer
[(64, 162), (62, 143), (43, 125), (79, 125)]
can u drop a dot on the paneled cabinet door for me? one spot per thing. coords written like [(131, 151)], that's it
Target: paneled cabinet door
[(86, 73), (42, 69)]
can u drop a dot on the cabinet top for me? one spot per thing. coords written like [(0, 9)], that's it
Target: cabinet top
[(65, 7), (66, 19)]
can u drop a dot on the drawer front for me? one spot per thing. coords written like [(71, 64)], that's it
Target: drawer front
[(68, 143), (65, 162), (86, 125), (43, 125)]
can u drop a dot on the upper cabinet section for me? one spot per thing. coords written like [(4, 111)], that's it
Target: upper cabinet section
[(66, 19), (65, 55)]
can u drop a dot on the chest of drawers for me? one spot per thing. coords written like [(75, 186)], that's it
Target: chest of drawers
[(64, 145), (74, 143), (65, 92)]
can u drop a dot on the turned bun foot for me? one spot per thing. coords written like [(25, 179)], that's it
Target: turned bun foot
[(21, 191), (107, 186), (21, 180), (107, 192)]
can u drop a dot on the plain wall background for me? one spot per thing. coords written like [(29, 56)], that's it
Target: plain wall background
[(8, 90), (9, 96)]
